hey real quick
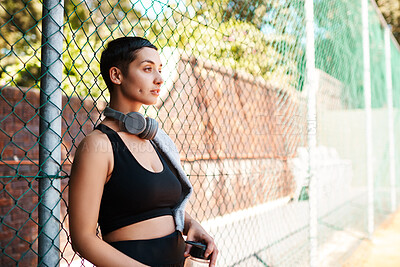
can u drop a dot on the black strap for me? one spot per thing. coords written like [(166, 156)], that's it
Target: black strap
[(105, 129), (115, 139)]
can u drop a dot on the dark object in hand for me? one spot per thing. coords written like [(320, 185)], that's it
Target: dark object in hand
[(197, 250)]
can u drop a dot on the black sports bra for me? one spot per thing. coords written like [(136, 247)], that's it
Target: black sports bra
[(133, 193)]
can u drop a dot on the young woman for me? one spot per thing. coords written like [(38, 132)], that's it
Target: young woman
[(133, 187)]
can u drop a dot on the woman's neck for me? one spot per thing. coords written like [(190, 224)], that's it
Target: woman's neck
[(123, 105)]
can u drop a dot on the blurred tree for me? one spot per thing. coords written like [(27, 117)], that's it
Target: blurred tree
[(20, 40), (88, 25), (260, 38), (391, 11)]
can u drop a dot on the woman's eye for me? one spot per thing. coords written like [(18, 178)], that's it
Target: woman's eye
[(147, 69)]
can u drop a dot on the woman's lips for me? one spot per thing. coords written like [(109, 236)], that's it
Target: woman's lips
[(155, 92)]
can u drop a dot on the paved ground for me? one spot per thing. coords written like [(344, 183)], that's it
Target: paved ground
[(384, 248)]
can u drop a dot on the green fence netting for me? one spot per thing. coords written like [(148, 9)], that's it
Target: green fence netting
[(234, 101)]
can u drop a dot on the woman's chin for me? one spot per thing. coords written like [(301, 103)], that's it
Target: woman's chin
[(150, 102)]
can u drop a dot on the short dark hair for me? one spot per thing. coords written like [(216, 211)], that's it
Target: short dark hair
[(119, 53)]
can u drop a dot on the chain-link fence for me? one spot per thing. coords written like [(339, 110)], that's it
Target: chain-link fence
[(267, 102)]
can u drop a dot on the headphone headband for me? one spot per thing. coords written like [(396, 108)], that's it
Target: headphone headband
[(115, 114), (135, 123)]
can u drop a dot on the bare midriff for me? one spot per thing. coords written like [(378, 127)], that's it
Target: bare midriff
[(148, 229)]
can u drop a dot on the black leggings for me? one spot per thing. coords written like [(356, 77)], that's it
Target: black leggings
[(165, 251)]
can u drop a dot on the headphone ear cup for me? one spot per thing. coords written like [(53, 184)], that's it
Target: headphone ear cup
[(151, 129), (134, 123)]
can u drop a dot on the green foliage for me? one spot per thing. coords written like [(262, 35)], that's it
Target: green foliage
[(88, 26), (20, 43), (250, 11), (19, 26), (231, 34), (23, 73), (264, 39), (81, 67), (391, 11)]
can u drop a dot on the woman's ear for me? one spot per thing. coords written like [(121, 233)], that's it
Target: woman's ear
[(115, 75)]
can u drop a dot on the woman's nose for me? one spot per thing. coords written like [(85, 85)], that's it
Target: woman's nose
[(159, 79)]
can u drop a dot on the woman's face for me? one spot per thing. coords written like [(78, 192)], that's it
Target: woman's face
[(143, 81)]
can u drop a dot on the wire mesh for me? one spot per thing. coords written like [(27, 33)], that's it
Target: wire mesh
[(233, 101)]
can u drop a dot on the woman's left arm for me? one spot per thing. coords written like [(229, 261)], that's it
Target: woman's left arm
[(195, 232)]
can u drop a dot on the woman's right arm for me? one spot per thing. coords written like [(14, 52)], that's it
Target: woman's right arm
[(92, 165)]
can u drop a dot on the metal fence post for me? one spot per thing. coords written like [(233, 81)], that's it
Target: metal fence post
[(50, 134), (368, 115), (312, 130), (389, 87)]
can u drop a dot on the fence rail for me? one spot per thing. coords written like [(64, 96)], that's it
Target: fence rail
[(283, 113)]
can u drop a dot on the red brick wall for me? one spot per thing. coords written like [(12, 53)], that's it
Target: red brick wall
[(221, 120), (213, 113), (19, 130), (232, 130)]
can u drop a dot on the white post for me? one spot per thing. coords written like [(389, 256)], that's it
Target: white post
[(389, 87), (368, 116), (312, 130)]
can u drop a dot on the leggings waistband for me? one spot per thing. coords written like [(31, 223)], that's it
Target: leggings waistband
[(166, 251)]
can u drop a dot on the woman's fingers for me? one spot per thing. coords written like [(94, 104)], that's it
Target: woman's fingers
[(187, 250), (198, 234), (211, 250), (214, 254), (210, 246)]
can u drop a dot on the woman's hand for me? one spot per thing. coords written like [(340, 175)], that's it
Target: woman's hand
[(195, 232)]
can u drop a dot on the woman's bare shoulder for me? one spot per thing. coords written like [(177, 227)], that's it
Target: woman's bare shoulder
[(95, 142), (93, 156)]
